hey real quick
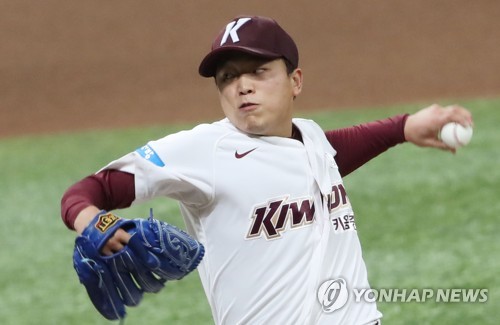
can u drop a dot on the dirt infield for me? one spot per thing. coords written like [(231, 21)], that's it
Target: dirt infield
[(68, 64)]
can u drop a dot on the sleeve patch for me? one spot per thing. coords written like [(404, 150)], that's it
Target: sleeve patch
[(149, 154)]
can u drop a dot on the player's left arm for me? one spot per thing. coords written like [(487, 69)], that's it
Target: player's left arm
[(359, 144), (423, 127)]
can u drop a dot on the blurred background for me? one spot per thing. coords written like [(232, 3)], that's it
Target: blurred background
[(67, 64)]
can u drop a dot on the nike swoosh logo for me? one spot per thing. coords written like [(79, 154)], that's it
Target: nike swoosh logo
[(241, 155)]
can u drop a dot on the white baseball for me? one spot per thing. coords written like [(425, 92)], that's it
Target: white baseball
[(455, 135)]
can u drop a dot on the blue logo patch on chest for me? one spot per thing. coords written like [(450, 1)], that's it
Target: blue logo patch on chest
[(148, 153)]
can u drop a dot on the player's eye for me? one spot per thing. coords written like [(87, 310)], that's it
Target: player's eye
[(226, 76), (260, 70)]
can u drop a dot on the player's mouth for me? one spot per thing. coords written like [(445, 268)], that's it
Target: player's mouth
[(248, 106)]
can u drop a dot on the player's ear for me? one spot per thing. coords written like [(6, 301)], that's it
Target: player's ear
[(296, 80)]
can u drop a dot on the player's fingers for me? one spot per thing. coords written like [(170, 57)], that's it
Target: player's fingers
[(116, 243), (122, 236), (438, 144), (107, 250), (458, 114), (111, 247)]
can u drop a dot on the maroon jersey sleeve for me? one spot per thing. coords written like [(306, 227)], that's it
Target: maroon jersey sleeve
[(107, 190), (113, 189), (359, 144)]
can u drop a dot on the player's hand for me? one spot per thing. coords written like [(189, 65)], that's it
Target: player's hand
[(422, 128), (142, 254), (116, 243)]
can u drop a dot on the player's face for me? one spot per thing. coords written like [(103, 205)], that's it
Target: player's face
[(257, 95)]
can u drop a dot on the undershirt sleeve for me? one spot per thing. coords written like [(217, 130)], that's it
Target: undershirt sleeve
[(113, 189), (107, 190), (359, 144)]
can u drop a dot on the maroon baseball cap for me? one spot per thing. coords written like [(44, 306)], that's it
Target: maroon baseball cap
[(255, 35)]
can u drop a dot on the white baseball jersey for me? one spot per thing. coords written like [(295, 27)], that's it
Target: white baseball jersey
[(274, 218)]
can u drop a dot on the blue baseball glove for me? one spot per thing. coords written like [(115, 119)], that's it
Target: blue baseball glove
[(156, 252)]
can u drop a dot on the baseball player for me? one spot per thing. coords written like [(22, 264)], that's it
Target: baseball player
[(261, 190)]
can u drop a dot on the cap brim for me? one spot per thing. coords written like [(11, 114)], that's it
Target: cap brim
[(208, 65)]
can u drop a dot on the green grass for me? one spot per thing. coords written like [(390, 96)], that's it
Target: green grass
[(426, 218)]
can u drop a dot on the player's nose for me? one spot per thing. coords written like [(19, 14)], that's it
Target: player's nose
[(245, 85)]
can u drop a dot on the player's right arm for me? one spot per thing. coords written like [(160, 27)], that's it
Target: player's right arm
[(84, 217), (108, 190)]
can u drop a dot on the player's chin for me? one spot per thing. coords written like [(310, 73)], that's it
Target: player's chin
[(251, 130), (251, 125)]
